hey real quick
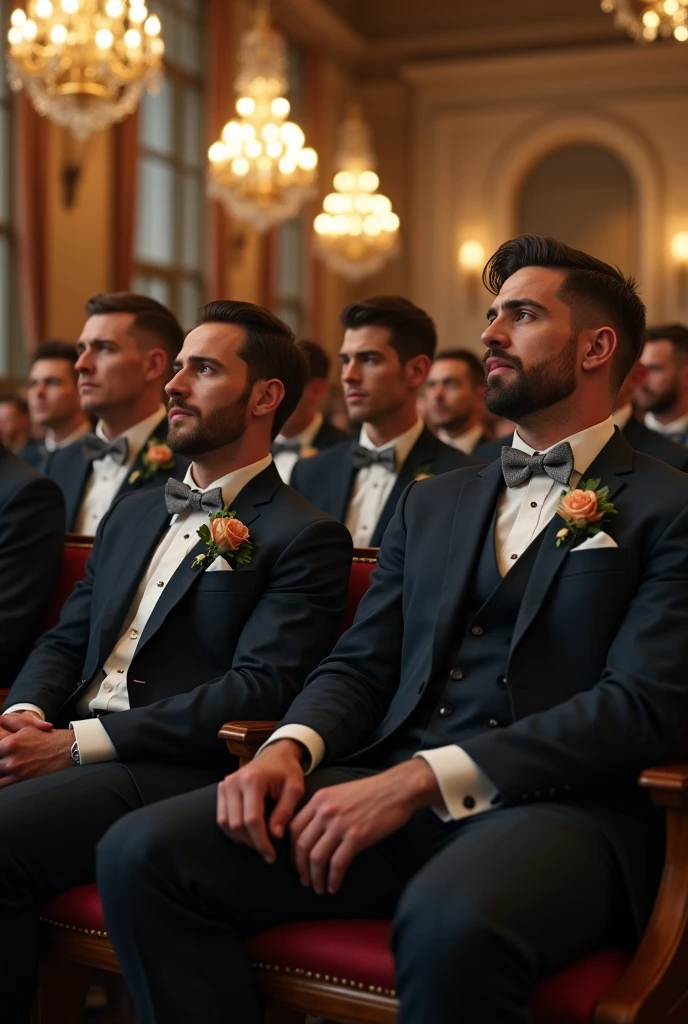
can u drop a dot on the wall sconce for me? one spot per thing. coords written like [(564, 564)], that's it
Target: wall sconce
[(679, 250), (471, 262)]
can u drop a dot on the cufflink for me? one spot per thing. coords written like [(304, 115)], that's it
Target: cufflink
[(469, 803)]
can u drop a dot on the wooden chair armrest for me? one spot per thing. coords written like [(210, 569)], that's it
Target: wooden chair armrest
[(244, 739), (654, 989)]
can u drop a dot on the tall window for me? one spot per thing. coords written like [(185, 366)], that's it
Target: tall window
[(168, 239)]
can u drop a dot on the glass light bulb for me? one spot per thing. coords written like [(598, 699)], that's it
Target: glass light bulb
[(254, 148), (231, 131), (292, 135), (58, 34), (372, 225), (114, 8), (216, 153), (30, 29), (104, 38), (331, 203), (651, 19), (18, 18), (248, 132), (280, 106), (70, 6), (44, 8), (132, 38), (245, 106), (14, 36), (308, 159), (344, 181), (681, 33), (157, 46), (364, 203), (368, 181), (152, 26), (137, 13), (274, 149), (270, 132), (321, 224), (390, 222), (287, 166), (471, 256), (240, 166), (671, 6), (380, 205)]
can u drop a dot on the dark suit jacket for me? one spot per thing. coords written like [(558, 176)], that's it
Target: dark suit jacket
[(327, 480), (31, 538), (329, 435), (598, 662), (71, 471), (636, 433), (35, 454), (218, 645)]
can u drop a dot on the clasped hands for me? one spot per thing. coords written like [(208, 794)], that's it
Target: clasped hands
[(30, 747), (334, 826)]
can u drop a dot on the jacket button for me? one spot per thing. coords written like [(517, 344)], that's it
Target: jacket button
[(445, 709), (477, 630), (492, 723), (457, 674), (421, 687), (469, 803), (501, 681)]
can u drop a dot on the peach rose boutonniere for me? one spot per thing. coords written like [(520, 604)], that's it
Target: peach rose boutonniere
[(157, 456), (583, 508), (423, 473), (225, 537)]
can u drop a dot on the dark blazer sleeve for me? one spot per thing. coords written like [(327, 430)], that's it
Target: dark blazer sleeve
[(348, 695), (582, 745), (31, 537), (291, 628)]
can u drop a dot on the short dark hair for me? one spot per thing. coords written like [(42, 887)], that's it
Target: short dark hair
[(317, 359), (20, 404), (594, 291), (476, 368), (150, 316), (412, 330), (269, 350), (677, 334), (56, 349)]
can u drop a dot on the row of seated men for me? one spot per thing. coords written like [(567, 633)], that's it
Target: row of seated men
[(462, 760)]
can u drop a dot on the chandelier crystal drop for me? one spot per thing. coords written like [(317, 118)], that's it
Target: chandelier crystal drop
[(357, 232), (647, 20), (259, 168), (84, 63)]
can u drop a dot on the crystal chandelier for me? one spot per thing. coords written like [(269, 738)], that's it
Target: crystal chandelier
[(259, 168), (84, 63), (645, 20), (357, 233)]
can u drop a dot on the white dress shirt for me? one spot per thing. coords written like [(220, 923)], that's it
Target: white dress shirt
[(285, 461), (109, 691), (107, 475), (522, 513), (622, 415), (373, 484), (51, 445), (676, 428), (465, 442)]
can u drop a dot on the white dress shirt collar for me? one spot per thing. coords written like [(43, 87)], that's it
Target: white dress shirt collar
[(138, 434), (586, 445), (231, 483), (51, 445), (307, 436), (402, 444), (465, 442), (677, 426), (622, 416)]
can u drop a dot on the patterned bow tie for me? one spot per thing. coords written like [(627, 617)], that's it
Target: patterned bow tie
[(179, 497), (518, 467), (95, 448), (362, 457), (294, 447)]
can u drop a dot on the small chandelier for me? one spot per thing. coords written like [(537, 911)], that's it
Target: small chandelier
[(84, 63), (357, 233), (259, 168), (645, 20)]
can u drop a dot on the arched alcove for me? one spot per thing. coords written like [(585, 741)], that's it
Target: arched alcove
[(585, 195)]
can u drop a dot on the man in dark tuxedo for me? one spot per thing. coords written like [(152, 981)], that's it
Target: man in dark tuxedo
[(465, 761), (663, 395), (168, 636), (385, 358), (640, 437), (453, 399), (15, 423), (126, 349), (31, 536), (307, 432), (53, 399)]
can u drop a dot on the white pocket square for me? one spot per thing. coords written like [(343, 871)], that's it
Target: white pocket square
[(598, 540), (219, 565)]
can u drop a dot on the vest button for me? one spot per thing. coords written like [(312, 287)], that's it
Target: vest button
[(469, 803), (477, 630), (445, 709), (457, 674), (492, 723), (501, 681)]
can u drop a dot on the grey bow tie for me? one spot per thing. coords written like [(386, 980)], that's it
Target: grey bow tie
[(179, 497), (362, 457), (95, 448), (518, 467), (286, 446)]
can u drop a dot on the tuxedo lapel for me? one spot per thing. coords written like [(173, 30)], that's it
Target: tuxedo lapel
[(615, 460), (74, 481), (247, 506), (474, 510), (420, 458)]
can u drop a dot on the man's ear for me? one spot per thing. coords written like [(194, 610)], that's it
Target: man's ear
[(267, 396), (157, 363), (601, 344), (416, 369)]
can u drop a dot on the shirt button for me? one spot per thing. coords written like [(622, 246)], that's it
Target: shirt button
[(469, 803), (119, 670), (492, 723), (457, 674), (160, 583), (107, 687), (514, 557), (445, 709), (501, 681), (133, 635), (533, 504), (477, 630), (186, 536)]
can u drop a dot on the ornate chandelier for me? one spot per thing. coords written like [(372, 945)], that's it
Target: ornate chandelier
[(259, 168), (645, 20), (84, 63), (357, 233)]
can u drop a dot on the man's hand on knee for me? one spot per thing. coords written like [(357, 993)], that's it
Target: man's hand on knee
[(277, 774), (27, 753)]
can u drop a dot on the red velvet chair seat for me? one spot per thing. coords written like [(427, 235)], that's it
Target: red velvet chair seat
[(356, 955)]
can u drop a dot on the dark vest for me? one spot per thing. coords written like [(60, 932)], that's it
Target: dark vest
[(470, 694)]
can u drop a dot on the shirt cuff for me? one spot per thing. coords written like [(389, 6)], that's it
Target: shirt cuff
[(465, 787), (92, 741), (25, 707), (311, 740)]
